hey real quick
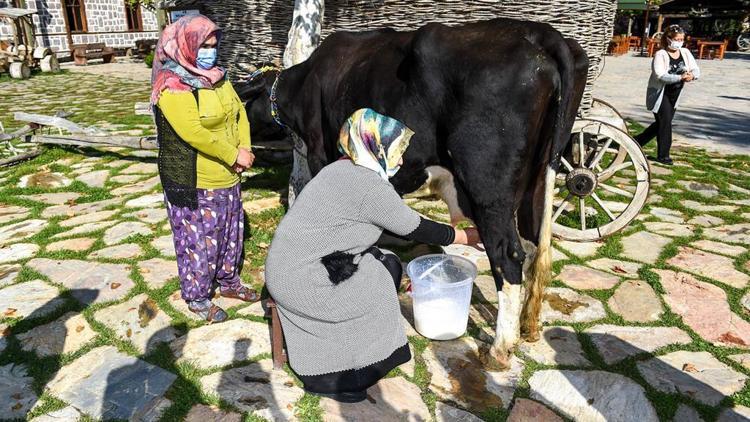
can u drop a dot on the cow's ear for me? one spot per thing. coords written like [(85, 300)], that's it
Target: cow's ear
[(249, 90)]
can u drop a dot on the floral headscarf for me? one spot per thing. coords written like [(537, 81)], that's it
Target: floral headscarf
[(174, 65), (374, 141)]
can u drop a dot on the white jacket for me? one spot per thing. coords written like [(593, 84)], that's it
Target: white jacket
[(660, 77)]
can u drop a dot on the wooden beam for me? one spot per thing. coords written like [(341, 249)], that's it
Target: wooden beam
[(18, 158), (54, 121), (16, 134), (135, 142)]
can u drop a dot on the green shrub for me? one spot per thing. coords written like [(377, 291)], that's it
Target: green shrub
[(149, 60)]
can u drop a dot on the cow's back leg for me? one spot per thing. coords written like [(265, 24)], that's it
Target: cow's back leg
[(489, 173), (540, 268), (493, 161)]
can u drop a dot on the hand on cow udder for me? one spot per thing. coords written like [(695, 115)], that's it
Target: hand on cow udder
[(473, 239)]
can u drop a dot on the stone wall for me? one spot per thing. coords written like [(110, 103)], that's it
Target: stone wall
[(105, 19)]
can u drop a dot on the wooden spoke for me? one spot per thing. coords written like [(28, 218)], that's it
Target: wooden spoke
[(601, 153), (561, 208), (566, 164), (612, 170), (581, 150), (582, 205), (615, 190), (604, 207)]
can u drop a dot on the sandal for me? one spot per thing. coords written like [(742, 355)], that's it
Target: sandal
[(208, 312), (242, 293)]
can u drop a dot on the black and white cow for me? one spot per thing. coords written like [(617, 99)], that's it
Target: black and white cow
[(492, 105)]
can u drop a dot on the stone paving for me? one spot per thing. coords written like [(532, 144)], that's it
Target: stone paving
[(649, 324)]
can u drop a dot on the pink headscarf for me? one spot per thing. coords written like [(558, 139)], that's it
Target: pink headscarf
[(174, 65)]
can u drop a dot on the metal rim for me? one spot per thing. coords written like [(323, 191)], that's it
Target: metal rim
[(589, 157)]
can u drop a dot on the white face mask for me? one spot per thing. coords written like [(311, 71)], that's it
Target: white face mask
[(675, 45)]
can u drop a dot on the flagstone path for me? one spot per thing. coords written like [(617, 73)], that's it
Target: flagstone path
[(650, 324)]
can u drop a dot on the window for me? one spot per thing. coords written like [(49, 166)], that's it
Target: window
[(133, 16), (76, 15)]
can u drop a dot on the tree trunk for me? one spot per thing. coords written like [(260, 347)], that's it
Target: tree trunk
[(304, 37)]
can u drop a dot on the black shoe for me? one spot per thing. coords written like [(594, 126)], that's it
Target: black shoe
[(666, 161), (345, 397)]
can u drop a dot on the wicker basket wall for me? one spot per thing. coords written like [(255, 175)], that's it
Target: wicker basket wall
[(256, 30)]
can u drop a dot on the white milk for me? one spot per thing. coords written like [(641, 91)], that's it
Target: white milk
[(441, 293), (440, 319)]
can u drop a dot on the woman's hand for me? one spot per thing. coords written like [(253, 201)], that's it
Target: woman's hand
[(687, 76), (468, 236), (245, 160)]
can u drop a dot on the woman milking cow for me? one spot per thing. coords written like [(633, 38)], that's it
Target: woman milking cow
[(336, 292)]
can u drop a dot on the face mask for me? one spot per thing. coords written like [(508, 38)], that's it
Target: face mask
[(206, 58), (675, 45)]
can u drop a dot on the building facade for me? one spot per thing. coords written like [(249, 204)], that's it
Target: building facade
[(112, 22)]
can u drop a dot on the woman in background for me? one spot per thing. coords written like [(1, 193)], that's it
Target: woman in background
[(671, 68)]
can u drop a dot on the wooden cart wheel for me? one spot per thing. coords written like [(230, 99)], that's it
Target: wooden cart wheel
[(41, 52), (50, 64), (594, 197), (605, 112), (19, 70)]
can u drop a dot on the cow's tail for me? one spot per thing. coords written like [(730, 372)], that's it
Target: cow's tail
[(540, 272), (569, 58)]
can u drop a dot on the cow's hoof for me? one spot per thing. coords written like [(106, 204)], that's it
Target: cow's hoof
[(531, 337), (497, 360)]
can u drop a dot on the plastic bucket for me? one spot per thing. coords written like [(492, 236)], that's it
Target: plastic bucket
[(441, 294)]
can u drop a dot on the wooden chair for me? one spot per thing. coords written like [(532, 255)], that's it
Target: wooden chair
[(618, 46), (634, 43), (277, 337), (82, 53)]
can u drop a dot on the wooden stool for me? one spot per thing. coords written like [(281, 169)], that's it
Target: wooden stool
[(277, 337)]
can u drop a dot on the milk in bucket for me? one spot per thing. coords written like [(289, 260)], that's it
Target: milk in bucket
[(441, 293)]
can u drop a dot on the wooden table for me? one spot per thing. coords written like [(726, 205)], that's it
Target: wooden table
[(722, 46)]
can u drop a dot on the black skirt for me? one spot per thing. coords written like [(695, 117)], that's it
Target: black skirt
[(353, 380)]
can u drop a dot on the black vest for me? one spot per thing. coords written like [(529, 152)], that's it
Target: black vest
[(177, 163)]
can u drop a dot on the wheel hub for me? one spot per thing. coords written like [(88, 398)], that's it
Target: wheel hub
[(581, 182)]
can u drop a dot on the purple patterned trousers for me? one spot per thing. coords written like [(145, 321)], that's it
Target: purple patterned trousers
[(208, 242)]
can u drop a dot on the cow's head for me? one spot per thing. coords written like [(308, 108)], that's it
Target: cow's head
[(256, 92)]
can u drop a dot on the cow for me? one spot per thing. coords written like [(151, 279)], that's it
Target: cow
[(492, 105)]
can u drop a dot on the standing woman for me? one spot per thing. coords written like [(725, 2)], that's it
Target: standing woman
[(204, 143), (671, 68), (336, 293)]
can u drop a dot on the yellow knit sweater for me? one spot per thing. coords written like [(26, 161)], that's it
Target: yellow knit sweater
[(217, 130)]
